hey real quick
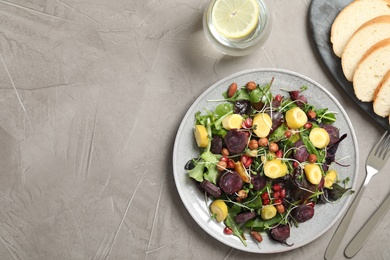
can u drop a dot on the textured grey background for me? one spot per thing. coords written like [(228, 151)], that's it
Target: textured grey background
[(91, 95)]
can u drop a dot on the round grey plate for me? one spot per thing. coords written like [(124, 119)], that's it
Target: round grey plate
[(185, 149)]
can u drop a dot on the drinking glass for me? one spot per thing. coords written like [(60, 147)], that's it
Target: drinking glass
[(243, 46)]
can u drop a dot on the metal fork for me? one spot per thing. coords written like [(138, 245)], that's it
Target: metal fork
[(374, 163)]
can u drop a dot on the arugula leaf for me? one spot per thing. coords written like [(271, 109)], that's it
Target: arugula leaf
[(287, 105), (278, 134), (258, 224), (254, 202), (241, 94), (320, 153), (197, 172), (309, 145), (218, 123), (237, 230), (211, 161), (203, 119), (261, 94), (324, 116), (223, 109), (206, 166)]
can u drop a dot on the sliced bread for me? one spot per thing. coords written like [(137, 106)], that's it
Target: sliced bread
[(352, 17), (366, 36), (381, 103), (371, 69)]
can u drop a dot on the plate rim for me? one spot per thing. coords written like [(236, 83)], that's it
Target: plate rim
[(189, 113)]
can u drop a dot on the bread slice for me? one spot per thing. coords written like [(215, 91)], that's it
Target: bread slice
[(371, 70), (381, 103), (352, 17), (366, 36)]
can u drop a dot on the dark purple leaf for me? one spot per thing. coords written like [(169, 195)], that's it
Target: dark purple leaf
[(333, 133), (301, 154), (242, 107), (332, 149)]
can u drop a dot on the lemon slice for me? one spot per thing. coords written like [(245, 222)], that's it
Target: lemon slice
[(233, 121), (235, 19)]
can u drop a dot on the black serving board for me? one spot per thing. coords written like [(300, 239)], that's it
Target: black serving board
[(321, 16)]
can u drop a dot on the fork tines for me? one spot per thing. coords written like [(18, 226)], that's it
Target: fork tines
[(383, 147)]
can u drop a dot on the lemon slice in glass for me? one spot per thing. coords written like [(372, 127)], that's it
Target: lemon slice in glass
[(235, 19)]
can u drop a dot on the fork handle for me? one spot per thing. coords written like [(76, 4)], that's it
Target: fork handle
[(343, 226), (361, 237)]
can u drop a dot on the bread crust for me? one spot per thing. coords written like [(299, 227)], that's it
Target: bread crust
[(385, 78), (374, 48), (341, 33), (378, 104), (367, 35), (364, 91)]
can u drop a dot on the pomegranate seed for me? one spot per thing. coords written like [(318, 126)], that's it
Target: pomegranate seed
[(266, 202), (287, 134), (249, 161), (276, 195), (247, 123), (224, 159), (230, 164), (265, 196), (276, 187), (295, 164), (227, 231), (246, 160), (277, 201), (308, 125), (282, 193), (279, 154), (278, 97)]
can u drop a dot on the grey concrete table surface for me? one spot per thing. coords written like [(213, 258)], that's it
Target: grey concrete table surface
[(91, 96)]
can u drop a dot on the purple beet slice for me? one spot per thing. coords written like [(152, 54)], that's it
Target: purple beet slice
[(236, 141)]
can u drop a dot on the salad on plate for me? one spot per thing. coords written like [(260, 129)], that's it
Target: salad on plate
[(266, 161)]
